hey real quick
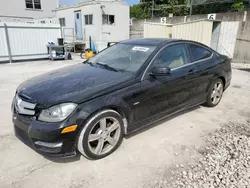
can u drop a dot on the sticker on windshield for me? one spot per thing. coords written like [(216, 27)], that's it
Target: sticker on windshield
[(139, 48)]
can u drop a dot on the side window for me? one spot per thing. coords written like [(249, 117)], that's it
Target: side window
[(88, 19), (62, 22), (173, 56), (108, 19), (199, 53)]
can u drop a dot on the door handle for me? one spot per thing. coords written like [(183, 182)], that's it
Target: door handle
[(192, 71)]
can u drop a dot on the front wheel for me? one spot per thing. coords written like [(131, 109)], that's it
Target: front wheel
[(101, 135), (215, 93)]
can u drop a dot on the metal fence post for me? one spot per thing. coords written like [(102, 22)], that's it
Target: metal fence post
[(8, 42)]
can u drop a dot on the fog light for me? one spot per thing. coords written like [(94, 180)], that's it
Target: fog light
[(69, 129), (49, 145)]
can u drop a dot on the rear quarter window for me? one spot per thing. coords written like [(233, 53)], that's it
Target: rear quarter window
[(198, 52)]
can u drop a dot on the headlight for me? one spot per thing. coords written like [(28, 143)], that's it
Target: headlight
[(57, 113)]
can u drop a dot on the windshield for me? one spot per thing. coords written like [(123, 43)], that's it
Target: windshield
[(123, 57)]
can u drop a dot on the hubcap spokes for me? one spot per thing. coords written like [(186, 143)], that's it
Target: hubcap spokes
[(217, 93), (104, 135)]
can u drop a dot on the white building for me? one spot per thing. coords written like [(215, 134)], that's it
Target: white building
[(103, 20), (27, 10)]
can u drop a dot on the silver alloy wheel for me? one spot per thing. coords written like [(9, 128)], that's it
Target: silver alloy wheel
[(104, 135), (217, 93)]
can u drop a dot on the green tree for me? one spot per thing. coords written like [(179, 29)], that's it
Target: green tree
[(162, 8), (238, 5), (138, 11), (173, 2)]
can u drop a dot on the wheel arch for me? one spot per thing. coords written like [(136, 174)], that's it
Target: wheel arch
[(117, 109), (223, 80), (89, 113)]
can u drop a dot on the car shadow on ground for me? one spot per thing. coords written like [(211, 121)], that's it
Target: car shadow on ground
[(161, 121), (75, 158), (248, 70)]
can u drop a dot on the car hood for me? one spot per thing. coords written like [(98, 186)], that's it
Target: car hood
[(76, 83)]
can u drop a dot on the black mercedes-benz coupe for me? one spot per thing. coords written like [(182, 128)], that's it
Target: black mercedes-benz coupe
[(89, 107)]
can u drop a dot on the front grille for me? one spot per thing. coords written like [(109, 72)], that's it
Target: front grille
[(23, 136), (24, 107)]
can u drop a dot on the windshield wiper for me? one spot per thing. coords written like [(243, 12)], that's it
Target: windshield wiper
[(107, 66)]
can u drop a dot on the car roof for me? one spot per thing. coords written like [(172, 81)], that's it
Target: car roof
[(159, 42), (149, 41)]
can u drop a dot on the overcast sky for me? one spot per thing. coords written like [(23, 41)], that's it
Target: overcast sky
[(70, 2)]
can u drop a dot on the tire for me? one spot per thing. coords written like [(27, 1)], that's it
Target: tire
[(82, 55), (214, 96), (95, 135)]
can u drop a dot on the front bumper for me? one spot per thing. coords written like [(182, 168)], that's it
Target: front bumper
[(45, 138), (228, 82)]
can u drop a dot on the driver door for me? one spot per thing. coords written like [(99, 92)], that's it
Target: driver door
[(166, 94)]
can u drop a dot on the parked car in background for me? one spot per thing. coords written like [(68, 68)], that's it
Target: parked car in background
[(89, 107)]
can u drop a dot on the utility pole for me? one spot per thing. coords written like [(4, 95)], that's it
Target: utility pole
[(191, 7), (153, 3)]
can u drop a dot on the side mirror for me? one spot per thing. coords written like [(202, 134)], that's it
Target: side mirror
[(161, 71)]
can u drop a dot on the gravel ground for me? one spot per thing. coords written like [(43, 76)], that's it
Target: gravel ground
[(224, 162)]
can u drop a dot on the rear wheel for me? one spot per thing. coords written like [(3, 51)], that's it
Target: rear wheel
[(101, 135), (215, 93)]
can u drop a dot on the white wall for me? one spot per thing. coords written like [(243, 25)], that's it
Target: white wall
[(27, 41), (200, 31), (3, 44), (46, 21), (100, 34), (16, 9), (227, 38), (68, 14), (157, 30), (119, 31)]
